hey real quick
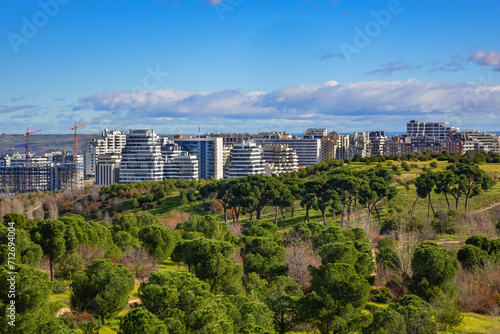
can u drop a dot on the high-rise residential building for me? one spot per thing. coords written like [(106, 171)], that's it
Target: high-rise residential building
[(308, 150), (482, 141), (245, 160), (141, 158), (110, 141), (179, 164), (39, 176), (377, 140), (280, 159), (208, 151), (440, 131), (108, 169), (359, 145), (182, 166), (315, 133)]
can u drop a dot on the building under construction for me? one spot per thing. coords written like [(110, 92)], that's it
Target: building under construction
[(32, 177)]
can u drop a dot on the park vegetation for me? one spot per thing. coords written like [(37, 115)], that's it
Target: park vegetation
[(377, 245)]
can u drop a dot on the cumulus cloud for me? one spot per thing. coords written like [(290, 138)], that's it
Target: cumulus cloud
[(487, 58), (306, 102)]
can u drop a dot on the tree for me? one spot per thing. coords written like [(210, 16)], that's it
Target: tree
[(386, 321), (126, 223), (125, 241), (221, 192), (184, 303), (57, 326), (32, 306), (282, 201), (434, 271), (16, 218), (370, 194), (69, 267), (139, 262), (307, 201), (210, 226), (347, 187), (337, 299), (418, 315), (158, 240), (140, 320), (102, 289), (474, 180), (248, 315), (56, 240), (27, 252), (213, 262), (447, 313), (263, 256), (471, 256), (324, 192), (425, 184), (282, 296)]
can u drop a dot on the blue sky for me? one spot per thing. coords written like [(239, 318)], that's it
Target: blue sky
[(241, 65)]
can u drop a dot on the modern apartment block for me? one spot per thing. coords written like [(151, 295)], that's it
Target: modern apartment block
[(315, 133), (440, 131), (482, 141), (108, 169), (245, 160), (110, 141), (141, 158), (280, 159), (404, 145), (209, 152), (308, 150), (32, 177), (179, 164), (377, 141)]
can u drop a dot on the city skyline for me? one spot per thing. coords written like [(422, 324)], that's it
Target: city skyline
[(234, 66)]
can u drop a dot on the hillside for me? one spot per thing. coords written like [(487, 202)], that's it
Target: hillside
[(42, 143)]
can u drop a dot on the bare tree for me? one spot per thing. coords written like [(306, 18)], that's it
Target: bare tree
[(94, 193), (53, 212), (298, 257), (17, 206), (90, 253), (140, 263)]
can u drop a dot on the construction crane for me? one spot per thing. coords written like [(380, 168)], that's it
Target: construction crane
[(76, 142), (199, 131), (27, 134)]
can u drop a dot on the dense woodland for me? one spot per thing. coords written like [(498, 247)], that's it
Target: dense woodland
[(403, 244)]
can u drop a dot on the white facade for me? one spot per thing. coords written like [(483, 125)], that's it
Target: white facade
[(315, 133), (110, 141), (280, 159), (107, 171), (245, 160), (141, 158), (308, 150), (416, 129)]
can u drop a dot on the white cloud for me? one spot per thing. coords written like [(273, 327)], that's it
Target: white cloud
[(487, 58), (327, 102)]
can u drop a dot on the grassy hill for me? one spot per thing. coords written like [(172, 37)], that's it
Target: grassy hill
[(43, 143)]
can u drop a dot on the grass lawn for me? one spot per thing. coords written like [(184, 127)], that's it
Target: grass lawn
[(477, 324)]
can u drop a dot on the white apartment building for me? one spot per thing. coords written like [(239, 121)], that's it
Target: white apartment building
[(110, 141), (280, 159), (315, 133), (108, 169), (245, 160), (416, 129), (141, 158), (308, 150)]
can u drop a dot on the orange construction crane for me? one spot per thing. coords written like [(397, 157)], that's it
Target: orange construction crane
[(27, 134), (76, 142)]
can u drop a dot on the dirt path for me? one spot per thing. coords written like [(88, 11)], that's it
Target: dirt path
[(66, 310), (488, 207)]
